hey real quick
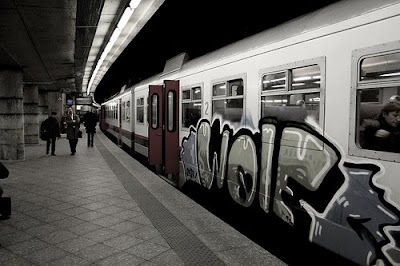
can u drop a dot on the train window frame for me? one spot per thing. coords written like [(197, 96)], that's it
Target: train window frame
[(358, 86), (128, 110), (189, 101), (154, 123), (320, 61), (171, 111), (123, 110), (285, 72), (229, 80), (141, 105)]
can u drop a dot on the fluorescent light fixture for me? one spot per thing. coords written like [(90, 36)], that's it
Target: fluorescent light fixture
[(134, 3), (279, 79), (391, 74), (298, 84), (125, 17), (115, 35), (117, 31), (302, 78), (278, 86)]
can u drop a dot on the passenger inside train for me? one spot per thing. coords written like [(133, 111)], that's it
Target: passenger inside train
[(383, 133)]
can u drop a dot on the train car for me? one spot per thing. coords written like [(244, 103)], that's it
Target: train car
[(283, 121)]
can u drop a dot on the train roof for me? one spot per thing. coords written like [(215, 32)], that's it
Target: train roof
[(329, 15)]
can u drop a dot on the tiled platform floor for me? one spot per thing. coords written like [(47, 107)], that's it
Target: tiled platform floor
[(101, 207)]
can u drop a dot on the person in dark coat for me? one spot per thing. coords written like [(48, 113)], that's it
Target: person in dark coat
[(3, 174), (5, 202), (383, 134), (51, 129), (73, 123), (90, 121)]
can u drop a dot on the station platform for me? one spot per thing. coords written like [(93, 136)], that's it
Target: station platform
[(102, 207)]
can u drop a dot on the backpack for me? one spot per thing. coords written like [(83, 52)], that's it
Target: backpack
[(43, 134)]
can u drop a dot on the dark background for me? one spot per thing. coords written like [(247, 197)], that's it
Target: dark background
[(195, 27)]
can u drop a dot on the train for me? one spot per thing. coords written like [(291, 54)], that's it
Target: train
[(278, 121)]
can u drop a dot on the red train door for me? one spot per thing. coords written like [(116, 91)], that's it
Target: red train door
[(119, 122), (164, 126), (155, 124)]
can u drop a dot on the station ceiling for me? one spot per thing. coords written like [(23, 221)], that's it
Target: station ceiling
[(57, 43)]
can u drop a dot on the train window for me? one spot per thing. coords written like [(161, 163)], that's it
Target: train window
[(301, 95), (186, 95), (191, 106), (171, 111), (375, 118), (154, 111), (380, 67), (128, 110), (235, 88), (228, 100), (140, 110), (274, 81), (123, 111), (196, 93), (219, 89), (306, 78)]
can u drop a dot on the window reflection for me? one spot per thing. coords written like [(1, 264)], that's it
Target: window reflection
[(191, 107), (154, 111), (380, 67), (228, 105)]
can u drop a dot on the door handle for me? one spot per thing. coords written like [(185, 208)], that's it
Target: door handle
[(158, 134)]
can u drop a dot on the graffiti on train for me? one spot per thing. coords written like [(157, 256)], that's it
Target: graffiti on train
[(291, 170)]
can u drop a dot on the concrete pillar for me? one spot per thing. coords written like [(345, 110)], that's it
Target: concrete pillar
[(31, 114), (11, 115), (43, 106), (55, 102)]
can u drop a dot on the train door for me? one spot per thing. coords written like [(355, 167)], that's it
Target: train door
[(119, 114), (102, 117), (164, 127)]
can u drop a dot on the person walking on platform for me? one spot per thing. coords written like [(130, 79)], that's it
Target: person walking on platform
[(5, 202), (90, 121), (73, 124), (51, 130)]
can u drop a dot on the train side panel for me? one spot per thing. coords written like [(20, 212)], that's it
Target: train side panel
[(331, 187)]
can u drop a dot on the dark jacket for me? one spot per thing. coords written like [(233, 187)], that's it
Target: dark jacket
[(372, 142), (90, 121), (72, 127), (51, 128), (3, 171)]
